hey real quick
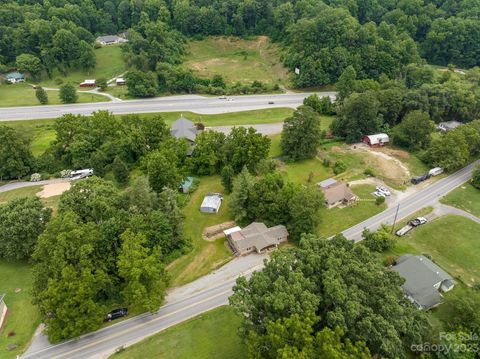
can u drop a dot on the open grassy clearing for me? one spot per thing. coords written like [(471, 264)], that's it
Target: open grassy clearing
[(42, 133), (50, 202), (212, 335), (204, 256), (109, 64), (465, 197), (237, 59), (453, 243), (24, 95), (23, 317)]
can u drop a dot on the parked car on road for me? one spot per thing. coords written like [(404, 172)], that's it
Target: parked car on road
[(435, 171), (417, 221), (418, 179), (117, 313), (383, 190)]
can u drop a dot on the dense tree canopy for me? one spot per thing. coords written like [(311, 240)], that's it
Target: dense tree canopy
[(16, 158), (22, 220), (346, 288), (104, 247)]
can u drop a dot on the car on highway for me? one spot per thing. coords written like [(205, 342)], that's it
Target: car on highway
[(417, 221), (222, 98), (117, 313), (229, 99), (271, 102), (383, 190)]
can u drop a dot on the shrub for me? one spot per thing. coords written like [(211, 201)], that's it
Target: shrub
[(379, 200), (369, 172), (58, 81), (339, 167)]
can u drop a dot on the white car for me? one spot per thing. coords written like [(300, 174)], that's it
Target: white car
[(229, 99), (383, 190), (379, 194), (222, 98)]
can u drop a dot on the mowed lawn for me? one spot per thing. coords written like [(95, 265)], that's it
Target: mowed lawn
[(50, 202), (42, 133), (336, 220), (205, 256), (23, 317), (237, 59), (24, 95), (452, 241), (465, 197), (109, 64), (212, 335)]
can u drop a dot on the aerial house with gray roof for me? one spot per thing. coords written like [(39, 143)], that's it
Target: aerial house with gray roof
[(424, 280)]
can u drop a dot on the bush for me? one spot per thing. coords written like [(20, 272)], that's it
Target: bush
[(369, 172), (339, 167), (102, 83), (390, 260), (379, 241), (379, 200), (58, 81), (326, 162), (68, 94)]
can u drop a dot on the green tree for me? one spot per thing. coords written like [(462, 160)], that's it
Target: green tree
[(68, 94), (16, 159), (476, 177), (68, 280), (143, 272), (218, 81), (29, 63), (141, 84), (86, 58), (379, 241), (22, 220), (301, 134), (120, 170), (208, 155), (346, 83), (449, 151), (227, 178), (239, 199), (162, 170), (245, 147), (317, 278), (102, 83), (41, 95), (414, 131)]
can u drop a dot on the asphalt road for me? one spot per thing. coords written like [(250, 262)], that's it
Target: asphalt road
[(194, 103), (408, 206), (105, 341)]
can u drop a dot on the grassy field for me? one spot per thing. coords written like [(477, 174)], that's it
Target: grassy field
[(237, 59), (205, 256), (335, 220), (212, 335), (22, 318), (109, 64), (41, 132), (51, 202), (465, 197), (24, 95), (453, 243)]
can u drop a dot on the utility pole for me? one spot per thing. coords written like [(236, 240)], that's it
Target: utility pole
[(395, 220)]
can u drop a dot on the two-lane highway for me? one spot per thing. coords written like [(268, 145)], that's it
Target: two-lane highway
[(408, 206), (193, 103)]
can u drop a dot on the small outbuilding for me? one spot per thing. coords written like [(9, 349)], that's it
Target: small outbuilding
[(448, 126), (15, 77), (110, 40), (211, 203), (256, 237), (378, 140), (186, 185), (88, 83), (424, 280), (120, 81)]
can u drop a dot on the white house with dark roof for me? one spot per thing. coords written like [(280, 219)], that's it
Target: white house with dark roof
[(424, 280)]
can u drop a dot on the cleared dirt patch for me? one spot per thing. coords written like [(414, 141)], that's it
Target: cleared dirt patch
[(215, 232), (54, 189)]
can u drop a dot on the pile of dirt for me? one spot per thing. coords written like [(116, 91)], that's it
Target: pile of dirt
[(214, 232), (54, 189)]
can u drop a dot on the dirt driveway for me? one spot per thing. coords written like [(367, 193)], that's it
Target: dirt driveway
[(54, 189)]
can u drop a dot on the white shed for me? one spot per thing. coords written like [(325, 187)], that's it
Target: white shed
[(211, 203)]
